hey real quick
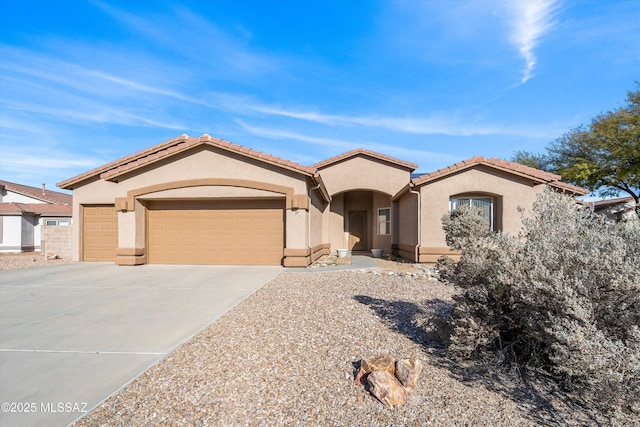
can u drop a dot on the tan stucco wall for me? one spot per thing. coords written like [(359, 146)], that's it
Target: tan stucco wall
[(379, 241), (201, 162), (512, 191), (365, 173), (209, 191), (316, 210), (407, 237), (337, 236)]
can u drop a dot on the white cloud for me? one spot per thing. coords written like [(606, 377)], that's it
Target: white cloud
[(529, 21), (197, 40), (436, 124), (272, 133), (422, 156), (95, 115)]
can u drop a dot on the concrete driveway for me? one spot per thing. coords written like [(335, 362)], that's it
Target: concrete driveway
[(71, 335)]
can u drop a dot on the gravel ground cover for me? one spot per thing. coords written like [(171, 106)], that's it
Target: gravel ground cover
[(287, 355), (27, 260)]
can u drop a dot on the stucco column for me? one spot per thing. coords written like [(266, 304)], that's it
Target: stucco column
[(127, 252), (297, 252)]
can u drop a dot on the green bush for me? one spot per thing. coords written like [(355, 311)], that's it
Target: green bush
[(563, 295)]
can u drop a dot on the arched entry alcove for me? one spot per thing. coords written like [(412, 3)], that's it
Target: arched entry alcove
[(361, 221)]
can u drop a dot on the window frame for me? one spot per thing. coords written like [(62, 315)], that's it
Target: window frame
[(56, 222), (470, 199), (386, 222)]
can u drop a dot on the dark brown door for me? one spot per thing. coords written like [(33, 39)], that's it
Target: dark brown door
[(358, 230)]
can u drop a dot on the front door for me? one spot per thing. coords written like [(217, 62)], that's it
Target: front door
[(358, 230)]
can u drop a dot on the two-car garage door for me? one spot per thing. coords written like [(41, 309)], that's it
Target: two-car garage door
[(221, 232)]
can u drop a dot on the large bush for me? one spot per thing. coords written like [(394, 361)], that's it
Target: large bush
[(563, 295)]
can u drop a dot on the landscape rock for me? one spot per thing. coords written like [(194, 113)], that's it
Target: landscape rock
[(408, 371), (386, 388), (383, 362)]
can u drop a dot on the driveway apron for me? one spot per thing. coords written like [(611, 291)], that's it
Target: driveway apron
[(72, 335)]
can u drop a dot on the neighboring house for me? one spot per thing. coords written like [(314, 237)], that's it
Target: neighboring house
[(24, 210), (616, 210), (208, 201)]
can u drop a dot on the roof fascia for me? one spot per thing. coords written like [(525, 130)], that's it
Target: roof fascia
[(367, 153), (426, 179), (69, 183), (265, 158)]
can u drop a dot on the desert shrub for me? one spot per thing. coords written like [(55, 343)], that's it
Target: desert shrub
[(563, 295)]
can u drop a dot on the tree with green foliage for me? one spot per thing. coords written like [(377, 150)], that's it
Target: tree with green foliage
[(533, 160), (603, 157)]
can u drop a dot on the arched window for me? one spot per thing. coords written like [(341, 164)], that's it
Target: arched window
[(485, 204)]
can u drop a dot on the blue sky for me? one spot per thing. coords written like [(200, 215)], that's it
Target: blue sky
[(83, 83)]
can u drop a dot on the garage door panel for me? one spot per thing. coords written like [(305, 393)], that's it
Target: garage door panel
[(99, 233), (227, 232)]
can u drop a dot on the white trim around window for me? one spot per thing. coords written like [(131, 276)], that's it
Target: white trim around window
[(384, 221)]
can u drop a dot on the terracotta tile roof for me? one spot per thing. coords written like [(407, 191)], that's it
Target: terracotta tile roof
[(173, 146), (357, 151), (43, 209), (604, 204), (504, 165), (47, 196)]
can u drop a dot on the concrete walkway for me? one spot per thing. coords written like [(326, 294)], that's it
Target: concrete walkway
[(71, 335)]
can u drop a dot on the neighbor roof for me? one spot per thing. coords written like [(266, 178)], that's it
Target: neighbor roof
[(499, 164), (44, 209), (45, 195), (111, 171), (365, 152), (604, 204)]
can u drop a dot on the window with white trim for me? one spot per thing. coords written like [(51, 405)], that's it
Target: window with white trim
[(485, 204), (384, 221)]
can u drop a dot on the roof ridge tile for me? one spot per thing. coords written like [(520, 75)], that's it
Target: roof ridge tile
[(176, 145), (544, 176), (356, 151)]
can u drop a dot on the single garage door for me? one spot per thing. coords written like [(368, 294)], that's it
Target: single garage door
[(99, 233), (222, 232)]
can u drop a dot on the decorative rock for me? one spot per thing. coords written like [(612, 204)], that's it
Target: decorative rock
[(408, 371), (383, 362), (386, 388)]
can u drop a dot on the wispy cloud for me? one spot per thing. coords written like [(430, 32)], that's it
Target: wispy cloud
[(271, 133), (429, 125), (13, 160), (97, 115), (423, 156), (227, 53), (529, 21), (435, 124), (31, 168)]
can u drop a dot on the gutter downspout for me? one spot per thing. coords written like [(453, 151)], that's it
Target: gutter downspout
[(318, 183), (309, 224), (417, 251)]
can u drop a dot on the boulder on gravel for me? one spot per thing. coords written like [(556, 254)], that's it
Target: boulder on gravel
[(386, 388), (408, 371), (382, 362)]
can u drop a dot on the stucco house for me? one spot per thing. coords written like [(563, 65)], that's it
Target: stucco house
[(25, 211), (203, 200), (617, 210)]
